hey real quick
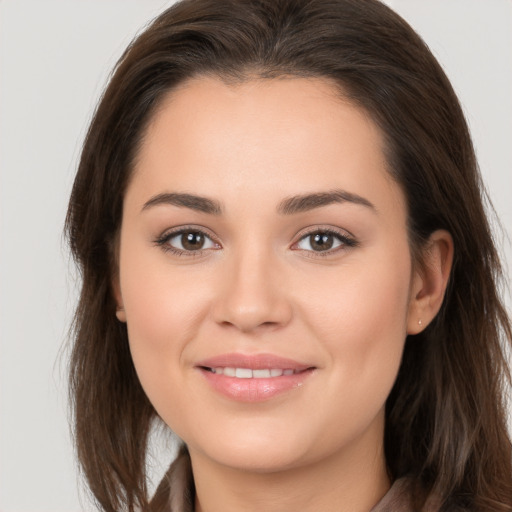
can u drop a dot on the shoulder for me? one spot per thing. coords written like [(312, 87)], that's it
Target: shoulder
[(402, 497), (176, 490), (397, 499)]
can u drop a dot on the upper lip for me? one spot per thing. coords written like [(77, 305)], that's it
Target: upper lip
[(253, 362)]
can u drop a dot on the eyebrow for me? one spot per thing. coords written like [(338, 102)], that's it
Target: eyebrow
[(289, 206), (307, 202), (198, 203)]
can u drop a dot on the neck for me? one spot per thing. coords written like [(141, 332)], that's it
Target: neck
[(355, 479)]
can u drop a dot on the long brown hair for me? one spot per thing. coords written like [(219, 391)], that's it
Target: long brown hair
[(446, 415)]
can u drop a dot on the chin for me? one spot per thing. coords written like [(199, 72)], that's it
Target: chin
[(257, 459), (260, 451)]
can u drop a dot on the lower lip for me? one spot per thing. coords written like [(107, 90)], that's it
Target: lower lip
[(255, 390)]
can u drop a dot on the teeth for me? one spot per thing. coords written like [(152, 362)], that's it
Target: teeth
[(261, 374), (247, 373), (243, 373), (228, 372)]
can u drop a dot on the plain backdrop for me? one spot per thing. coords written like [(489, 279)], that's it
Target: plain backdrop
[(55, 56)]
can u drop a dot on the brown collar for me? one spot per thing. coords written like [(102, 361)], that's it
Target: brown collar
[(176, 492)]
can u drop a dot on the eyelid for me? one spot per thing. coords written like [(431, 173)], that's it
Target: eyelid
[(348, 240), (163, 239)]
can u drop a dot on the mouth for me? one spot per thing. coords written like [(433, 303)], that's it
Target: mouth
[(254, 378), (248, 373)]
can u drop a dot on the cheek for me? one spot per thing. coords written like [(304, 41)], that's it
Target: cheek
[(164, 309), (161, 300), (361, 319)]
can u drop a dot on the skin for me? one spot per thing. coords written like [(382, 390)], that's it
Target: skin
[(259, 287)]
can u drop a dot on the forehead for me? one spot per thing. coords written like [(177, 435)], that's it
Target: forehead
[(272, 137)]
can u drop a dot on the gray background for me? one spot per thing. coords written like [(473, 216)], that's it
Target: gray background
[(54, 60)]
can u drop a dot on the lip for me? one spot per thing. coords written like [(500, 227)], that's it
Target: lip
[(254, 389), (253, 361)]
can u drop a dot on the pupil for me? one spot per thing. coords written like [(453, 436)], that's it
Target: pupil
[(192, 241), (322, 242)]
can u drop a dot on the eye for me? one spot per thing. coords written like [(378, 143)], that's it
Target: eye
[(186, 241), (324, 241)]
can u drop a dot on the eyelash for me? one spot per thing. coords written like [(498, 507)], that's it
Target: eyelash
[(346, 241), (163, 240)]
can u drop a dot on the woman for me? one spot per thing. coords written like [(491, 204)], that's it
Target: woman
[(285, 257)]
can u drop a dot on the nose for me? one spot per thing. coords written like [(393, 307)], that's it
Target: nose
[(252, 293)]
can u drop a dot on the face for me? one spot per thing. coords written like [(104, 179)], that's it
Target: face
[(265, 272)]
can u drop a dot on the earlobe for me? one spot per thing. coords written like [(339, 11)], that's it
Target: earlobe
[(429, 281), (120, 314), (116, 289)]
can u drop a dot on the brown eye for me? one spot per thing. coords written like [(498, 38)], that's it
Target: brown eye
[(192, 241), (321, 241), (324, 241), (187, 241)]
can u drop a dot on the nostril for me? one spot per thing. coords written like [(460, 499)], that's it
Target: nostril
[(249, 306), (248, 326)]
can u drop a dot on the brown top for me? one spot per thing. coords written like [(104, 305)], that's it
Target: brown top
[(178, 489)]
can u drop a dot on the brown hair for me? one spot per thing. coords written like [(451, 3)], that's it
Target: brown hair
[(446, 415)]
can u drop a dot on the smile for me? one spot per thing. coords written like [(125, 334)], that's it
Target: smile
[(254, 378), (247, 373)]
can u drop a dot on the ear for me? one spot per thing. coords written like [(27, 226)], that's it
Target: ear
[(429, 281), (116, 289)]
